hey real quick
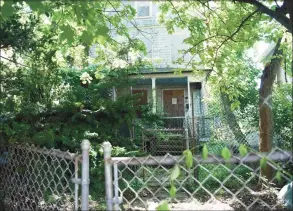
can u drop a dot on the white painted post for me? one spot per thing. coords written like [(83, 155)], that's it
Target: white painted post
[(114, 93), (154, 98), (85, 181), (186, 138), (131, 130), (76, 185), (116, 192), (107, 148), (189, 97)]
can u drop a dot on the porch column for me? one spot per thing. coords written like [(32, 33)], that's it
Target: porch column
[(131, 129), (154, 98), (189, 97), (114, 94)]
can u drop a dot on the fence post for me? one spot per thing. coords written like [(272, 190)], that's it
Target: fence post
[(76, 185), (107, 148), (85, 147), (186, 139)]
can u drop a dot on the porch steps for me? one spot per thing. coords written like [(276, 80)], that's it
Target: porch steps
[(174, 147), (162, 141)]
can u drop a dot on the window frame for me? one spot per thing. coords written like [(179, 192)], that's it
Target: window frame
[(136, 3)]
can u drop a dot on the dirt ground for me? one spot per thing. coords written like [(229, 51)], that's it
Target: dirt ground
[(246, 200)]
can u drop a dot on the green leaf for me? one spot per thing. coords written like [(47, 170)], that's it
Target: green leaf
[(226, 154), (35, 5), (278, 176), (173, 190), (87, 38), (102, 39), (235, 105), (7, 9), (175, 173), (205, 152), (99, 75), (102, 30), (188, 159), (67, 34), (185, 152), (163, 206), (242, 150), (263, 162)]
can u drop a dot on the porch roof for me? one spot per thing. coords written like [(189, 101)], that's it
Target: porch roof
[(163, 81), (160, 71)]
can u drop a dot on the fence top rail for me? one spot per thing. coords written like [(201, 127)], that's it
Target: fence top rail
[(173, 117), (188, 117), (212, 159), (49, 152), (165, 129)]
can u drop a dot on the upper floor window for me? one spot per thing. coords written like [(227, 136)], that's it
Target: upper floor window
[(143, 9)]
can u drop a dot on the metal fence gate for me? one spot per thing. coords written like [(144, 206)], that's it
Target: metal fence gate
[(33, 178), (141, 183)]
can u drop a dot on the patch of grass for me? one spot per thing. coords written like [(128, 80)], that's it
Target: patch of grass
[(221, 173)]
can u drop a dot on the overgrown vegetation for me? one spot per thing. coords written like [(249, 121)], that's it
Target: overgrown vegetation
[(54, 93)]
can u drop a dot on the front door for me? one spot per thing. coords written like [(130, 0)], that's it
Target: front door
[(173, 102)]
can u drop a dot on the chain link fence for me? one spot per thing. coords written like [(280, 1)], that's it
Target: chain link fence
[(160, 141), (35, 178), (179, 133), (215, 132), (141, 183)]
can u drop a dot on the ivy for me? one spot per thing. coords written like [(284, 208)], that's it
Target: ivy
[(163, 206), (175, 173), (205, 152), (172, 190), (226, 154), (188, 158), (242, 150), (263, 162)]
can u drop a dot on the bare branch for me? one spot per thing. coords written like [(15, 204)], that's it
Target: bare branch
[(278, 15)]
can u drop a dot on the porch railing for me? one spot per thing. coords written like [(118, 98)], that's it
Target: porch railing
[(198, 127), (173, 122)]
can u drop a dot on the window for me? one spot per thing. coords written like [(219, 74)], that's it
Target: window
[(143, 9)]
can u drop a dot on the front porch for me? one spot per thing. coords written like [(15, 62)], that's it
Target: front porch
[(178, 99)]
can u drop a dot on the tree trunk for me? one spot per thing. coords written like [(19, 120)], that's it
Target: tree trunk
[(291, 22), (265, 106), (232, 121)]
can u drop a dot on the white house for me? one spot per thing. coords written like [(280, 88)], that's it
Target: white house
[(177, 95)]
